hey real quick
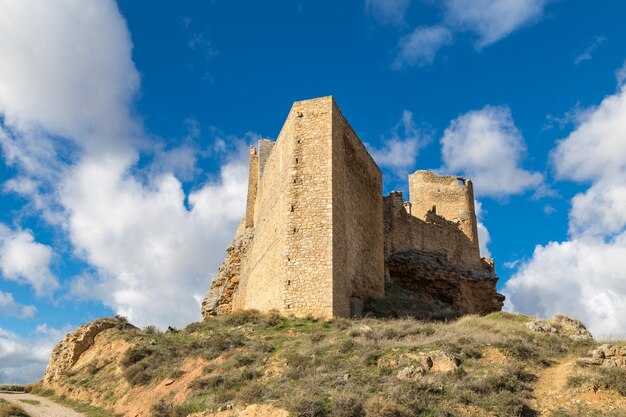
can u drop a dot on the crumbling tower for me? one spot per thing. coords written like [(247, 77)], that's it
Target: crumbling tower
[(447, 196)]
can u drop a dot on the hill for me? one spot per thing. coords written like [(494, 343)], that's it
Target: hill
[(264, 365)]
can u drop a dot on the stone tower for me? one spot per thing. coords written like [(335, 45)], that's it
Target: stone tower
[(447, 196), (315, 209)]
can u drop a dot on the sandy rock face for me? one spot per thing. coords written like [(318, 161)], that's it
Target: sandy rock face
[(562, 325), (73, 345), (223, 287)]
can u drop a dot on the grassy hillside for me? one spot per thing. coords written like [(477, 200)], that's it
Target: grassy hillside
[(11, 410), (474, 366)]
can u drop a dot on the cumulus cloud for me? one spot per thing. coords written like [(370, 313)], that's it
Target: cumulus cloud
[(492, 20), (486, 146), (387, 11), (10, 307), (401, 148), (489, 20), (587, 53), (24, 359), (620, 75), (144, 241), (26, 261), (583, 276), (72, 136), (580, 277), (421, 46), (484, 238)]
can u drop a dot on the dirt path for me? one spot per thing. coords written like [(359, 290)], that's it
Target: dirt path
[(552, 393), (44, 408)]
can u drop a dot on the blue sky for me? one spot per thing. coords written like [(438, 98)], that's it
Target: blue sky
[(124, 129)]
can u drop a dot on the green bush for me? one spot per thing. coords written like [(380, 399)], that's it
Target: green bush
[(135, 355)]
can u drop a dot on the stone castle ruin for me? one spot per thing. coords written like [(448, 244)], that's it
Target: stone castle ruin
[(318, 237)]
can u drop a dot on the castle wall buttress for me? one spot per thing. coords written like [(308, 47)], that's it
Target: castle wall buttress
[(289, 264), (358, 242)]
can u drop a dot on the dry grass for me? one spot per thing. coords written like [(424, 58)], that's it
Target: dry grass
[(345, 367), (11, 410)]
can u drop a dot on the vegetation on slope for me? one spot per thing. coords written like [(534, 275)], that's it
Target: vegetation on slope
[(340, 367), (11, 410)]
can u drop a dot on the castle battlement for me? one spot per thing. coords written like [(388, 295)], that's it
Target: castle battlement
[(318, 238)]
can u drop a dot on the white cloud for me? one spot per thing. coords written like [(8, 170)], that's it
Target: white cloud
[(484, 238), (583, 276), (10, 307), (580, 278), (401, 148), (486, 146), (420, 47), (587, 53), (67, 67), (492, 20), (596, 149), (388, 11), (26, 261), (620, 75), (146, 245), (24, 360), (511, 264), (71, 133)]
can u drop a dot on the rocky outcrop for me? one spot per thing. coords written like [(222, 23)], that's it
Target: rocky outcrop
[(416, 365), (69, 350), (607, 356), (561, 325), (431, 275), (223, 287)]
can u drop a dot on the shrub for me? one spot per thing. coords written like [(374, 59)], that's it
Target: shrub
[(138, 374), (122, 322), (135, 355), (273, 319), (253, 393), (347, 345), (204, 384), (10, 410), (347, 405), (151, 330), (613, 378), (308, 404), (317, 337), (506, 403), (239, 318), (383, 407), (165, 409)]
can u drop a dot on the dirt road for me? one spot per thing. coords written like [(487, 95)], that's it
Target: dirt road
[(39, 406)]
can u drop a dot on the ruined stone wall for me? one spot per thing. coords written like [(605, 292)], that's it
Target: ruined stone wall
[(448, 196), (358, 245), (434, 258), (253, 181), (432, 234)]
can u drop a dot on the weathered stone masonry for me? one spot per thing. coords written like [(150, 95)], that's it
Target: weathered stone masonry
[(319, 239)]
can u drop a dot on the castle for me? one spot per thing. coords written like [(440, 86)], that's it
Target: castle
[(318, 237)]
